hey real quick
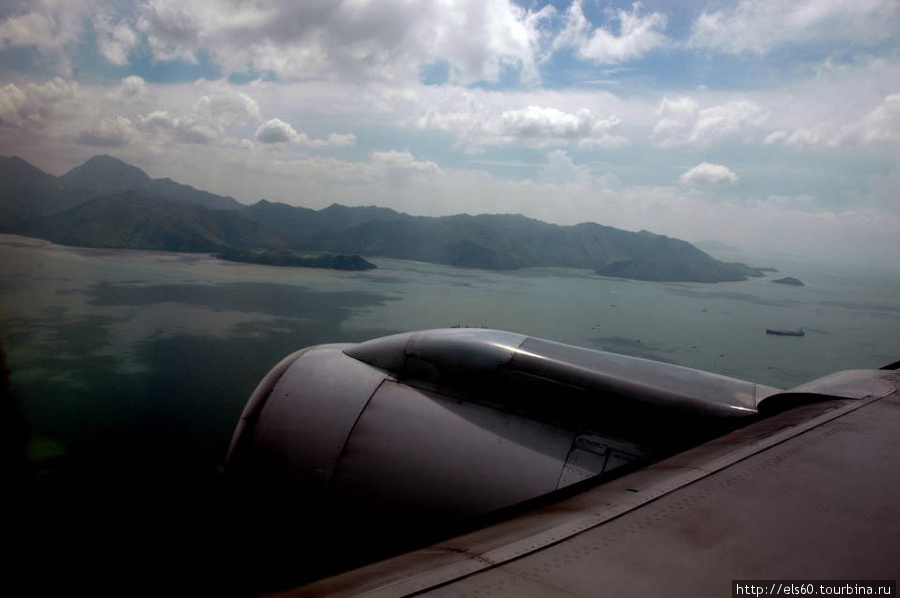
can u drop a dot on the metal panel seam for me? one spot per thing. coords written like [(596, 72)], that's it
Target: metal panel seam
[(340, 456), (562, 470)]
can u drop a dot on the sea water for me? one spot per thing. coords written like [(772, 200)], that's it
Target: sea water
[(134, 347)]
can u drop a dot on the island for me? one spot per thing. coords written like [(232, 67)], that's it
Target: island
[(286, 257), (789, 280), (108, 203)]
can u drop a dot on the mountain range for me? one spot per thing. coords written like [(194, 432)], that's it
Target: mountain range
[(108, 203)]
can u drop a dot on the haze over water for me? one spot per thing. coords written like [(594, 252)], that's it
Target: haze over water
[(130, 349)]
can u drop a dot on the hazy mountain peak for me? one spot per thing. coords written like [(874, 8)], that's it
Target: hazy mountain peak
[(15, 164), (104, 174), (109, 164)]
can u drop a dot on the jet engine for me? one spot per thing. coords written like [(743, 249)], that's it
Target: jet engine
[(445, 425)]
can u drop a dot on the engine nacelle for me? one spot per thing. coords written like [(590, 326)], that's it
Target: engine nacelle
[(450, 424)]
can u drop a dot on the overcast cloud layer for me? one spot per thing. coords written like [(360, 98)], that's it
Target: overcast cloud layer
[(766, 124)]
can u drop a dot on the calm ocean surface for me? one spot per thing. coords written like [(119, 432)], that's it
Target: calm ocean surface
[(126, 348)]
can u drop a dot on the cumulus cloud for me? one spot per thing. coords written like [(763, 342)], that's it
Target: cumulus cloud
[(220, 106), (205, 113), (184, 128), (50, 28), (334, 140), (708, 174), (533, 126), (395, 161), (560, 169), (544, 126), (638, 34), (275, 131), (60, 111), (681, 120), (881, 125), (822, 133), (33, 106), (224, 103), (476, 39), (131, 89), (114, 131), (30, 29), (115, 39), (754, 26)]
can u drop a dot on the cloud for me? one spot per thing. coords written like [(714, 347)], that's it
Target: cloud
[(391, 39), (53, 26), (225, 104), (395, 161), (175, 30), (61, 113), (708, 174), (159, 117), (545, 126), (131, 89), (681, 120), (275, 131), (184, 128), (30, 29), (13, 106), (754, 26), (881, 125), (334, 140), (33, 106), (560, 169), (221, 106), (820, 134), (115, 39), (533, 126), (384, 172), (638, 35), (114, 131)]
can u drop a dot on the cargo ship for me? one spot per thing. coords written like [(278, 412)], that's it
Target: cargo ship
[(798, 332)]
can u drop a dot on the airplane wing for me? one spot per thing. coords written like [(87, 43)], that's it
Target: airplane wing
[(638, 479)]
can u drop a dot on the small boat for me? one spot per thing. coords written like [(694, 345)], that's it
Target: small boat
[(798, 332)]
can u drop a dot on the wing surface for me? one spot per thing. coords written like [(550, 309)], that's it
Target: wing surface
[(809, 493)]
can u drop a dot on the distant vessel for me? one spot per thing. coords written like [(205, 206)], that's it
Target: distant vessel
[(798, 332)]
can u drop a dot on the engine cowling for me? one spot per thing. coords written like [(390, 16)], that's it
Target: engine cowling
[(451, 424)]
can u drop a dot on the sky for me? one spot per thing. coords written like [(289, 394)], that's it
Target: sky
[(770, 125)]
